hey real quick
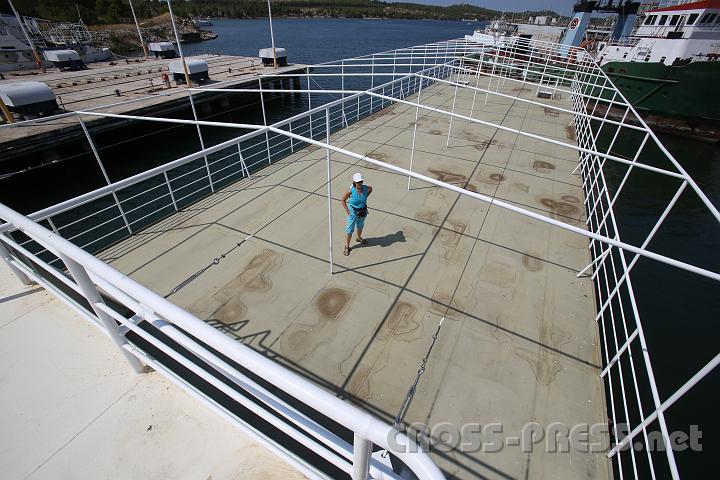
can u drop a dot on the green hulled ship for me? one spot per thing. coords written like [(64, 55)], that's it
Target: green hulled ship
[(681, 91), (669, 67)]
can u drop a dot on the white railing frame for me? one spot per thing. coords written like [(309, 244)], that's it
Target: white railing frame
[(441, 63)]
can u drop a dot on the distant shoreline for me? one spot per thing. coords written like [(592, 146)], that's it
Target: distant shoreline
[(292, 17)]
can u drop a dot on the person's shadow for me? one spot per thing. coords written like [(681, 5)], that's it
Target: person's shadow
[(386, 240)]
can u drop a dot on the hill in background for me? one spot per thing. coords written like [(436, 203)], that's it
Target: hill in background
[(118, 11)]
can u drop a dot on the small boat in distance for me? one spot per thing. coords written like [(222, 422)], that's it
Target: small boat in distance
[(202, 22)]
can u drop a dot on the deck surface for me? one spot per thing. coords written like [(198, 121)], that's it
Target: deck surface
[(519, 341), (95, 87), (73, 408)]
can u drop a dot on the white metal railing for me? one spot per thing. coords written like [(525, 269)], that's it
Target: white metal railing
[(458, 65), (109, 295)]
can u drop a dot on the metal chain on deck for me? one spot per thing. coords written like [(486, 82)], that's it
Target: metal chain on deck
[(397, 424), (215, 261)]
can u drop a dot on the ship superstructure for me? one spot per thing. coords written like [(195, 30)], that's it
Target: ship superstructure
[(670, 35)]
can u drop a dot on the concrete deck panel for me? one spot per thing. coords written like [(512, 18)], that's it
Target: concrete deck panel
[(73, 408), (519, 341)]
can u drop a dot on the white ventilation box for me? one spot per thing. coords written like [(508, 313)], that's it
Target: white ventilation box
[(163, 49), (197, 70), (28, 97), (61, 55), (266, 55)]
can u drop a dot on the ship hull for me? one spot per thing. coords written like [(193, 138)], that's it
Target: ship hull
[(684, 91)]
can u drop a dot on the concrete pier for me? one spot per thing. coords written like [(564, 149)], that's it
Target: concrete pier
[(135, 88), (519, 343)]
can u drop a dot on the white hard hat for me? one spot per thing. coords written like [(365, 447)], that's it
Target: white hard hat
[(357, 177)]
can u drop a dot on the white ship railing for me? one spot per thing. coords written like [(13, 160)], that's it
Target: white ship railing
[(109, 214), (105, 295)]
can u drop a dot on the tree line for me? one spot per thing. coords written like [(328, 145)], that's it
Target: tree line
[(118, 11)]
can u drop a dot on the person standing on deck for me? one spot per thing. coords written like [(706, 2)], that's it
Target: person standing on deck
[(357, 211)]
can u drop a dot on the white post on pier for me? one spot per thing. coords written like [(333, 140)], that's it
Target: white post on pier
[(21, 24), (329, 186), (137, 25), (177, 40), (272, 36)]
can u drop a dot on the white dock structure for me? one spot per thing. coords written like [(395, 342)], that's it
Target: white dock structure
[(492, 237)]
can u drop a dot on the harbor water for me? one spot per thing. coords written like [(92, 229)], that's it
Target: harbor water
[(679, 310)]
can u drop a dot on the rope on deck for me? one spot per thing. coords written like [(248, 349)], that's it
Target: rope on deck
[(397, 424), (215, 261)]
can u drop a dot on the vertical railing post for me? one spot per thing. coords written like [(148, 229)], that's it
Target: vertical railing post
[(7, 257), (477, 85), (93, 297), (202, 142), (342, 86), (243, 165), (447, 144), (267, 136), (362, 450), (102, 169), (492, 74), (372, 82), (292, 142), (309, 94), (329, 186), (394, 64), (53, 226), (410, 68), (172, 195), (417, 112), (527, 68), (445, 58)]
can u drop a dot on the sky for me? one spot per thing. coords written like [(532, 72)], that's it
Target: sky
[(560, 6)]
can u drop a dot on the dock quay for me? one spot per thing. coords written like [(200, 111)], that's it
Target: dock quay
[(132, 87), (487, 329)]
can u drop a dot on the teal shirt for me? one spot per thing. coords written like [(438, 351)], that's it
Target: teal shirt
[(358, 200)]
